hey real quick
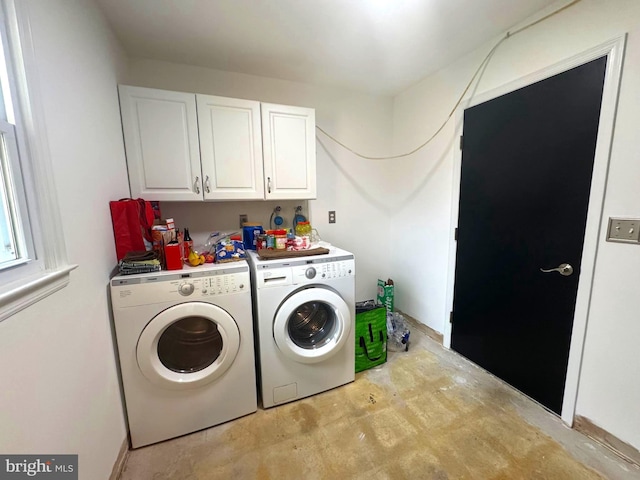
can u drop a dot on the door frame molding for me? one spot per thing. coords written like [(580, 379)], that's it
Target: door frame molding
[(614, 50)]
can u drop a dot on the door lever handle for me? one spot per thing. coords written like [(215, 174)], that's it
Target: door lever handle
[(563, 269)]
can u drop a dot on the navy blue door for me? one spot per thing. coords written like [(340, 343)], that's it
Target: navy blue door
[(527, 162)]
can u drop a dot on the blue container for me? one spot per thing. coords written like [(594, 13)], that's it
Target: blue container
[(250, 235)]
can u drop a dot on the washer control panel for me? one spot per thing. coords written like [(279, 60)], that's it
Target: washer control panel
[(323, 271), (128, 292)]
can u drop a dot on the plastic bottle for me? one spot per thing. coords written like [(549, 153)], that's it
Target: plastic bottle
[(303, 232), (291, 241), (303, 229), (397, 333)]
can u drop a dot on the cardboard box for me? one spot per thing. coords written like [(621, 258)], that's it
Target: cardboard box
[(386, 293)]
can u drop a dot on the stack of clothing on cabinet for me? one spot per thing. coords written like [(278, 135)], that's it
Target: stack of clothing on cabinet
[(140, 262)]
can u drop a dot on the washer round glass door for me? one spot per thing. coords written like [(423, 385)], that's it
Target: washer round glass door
[(312, 325), (188, 345)]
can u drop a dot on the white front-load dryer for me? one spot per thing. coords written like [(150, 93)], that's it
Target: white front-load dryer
[(186, 350), (304, 311)]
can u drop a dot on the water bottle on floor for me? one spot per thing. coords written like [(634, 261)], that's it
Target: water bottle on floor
[(397, 332)]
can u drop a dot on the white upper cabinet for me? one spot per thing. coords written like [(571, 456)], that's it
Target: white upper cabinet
[(289, 151), (230, 148), (161, 141), (186, 146)]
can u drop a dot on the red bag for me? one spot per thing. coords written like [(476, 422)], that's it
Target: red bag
[(132, 220)]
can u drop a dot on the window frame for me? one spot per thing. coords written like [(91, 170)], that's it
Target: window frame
[(47, 269)]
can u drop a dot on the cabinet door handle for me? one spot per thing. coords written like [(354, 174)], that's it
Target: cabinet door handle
[(207, 185), (197, 184), (269, 184)]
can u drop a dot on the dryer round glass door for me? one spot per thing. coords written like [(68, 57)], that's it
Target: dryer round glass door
[(312, 325), (188, 345)]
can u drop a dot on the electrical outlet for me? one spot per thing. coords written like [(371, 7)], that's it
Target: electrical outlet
[(625, 230), (243, 219), (332, 216)]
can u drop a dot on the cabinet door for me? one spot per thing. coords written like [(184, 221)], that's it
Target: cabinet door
[(289, 149), (161, 140), (230, 148)]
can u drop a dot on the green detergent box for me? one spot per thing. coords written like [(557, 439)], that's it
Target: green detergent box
[(385, 294), (371, 335)]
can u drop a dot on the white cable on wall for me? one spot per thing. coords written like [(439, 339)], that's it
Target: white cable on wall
[(484, 62)]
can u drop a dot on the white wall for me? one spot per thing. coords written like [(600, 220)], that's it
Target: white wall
[(203, 218), (609, 393), (354, 188), (60, 390)]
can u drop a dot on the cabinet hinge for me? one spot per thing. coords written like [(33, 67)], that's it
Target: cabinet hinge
[(461, 137), (455, 234), (451, 317)]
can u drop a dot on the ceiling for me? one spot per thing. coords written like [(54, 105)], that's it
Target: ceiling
[(375, 46)]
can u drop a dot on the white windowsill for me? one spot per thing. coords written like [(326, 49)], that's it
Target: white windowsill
[(26, 293)]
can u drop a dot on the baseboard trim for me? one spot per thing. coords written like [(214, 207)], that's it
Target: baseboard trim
[(428, 331), (120, 460), (613, 443)]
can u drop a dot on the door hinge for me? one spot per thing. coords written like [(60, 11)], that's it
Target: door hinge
[(451, 317), (461, 137), (455, 234)]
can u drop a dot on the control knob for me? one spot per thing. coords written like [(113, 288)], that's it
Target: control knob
[(310, 273), (186, 289)]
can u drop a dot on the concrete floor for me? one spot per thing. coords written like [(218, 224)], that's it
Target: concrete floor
[(426, 414)]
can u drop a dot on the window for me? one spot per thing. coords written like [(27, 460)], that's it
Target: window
[(10, 225), (32, 256), (13, 225)]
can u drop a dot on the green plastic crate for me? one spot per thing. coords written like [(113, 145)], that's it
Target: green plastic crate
[(371, 336)]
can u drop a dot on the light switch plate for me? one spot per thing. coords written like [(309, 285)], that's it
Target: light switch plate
[(625, 230)]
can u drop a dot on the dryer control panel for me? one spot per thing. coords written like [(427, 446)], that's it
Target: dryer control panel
[(149, 289), (223, 284)]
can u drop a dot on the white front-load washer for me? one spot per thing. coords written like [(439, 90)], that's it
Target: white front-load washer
[(304, 312), (186, 350)]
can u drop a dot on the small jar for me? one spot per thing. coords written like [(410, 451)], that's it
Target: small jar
[(261, 241), (280, 239), (271, 240)]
